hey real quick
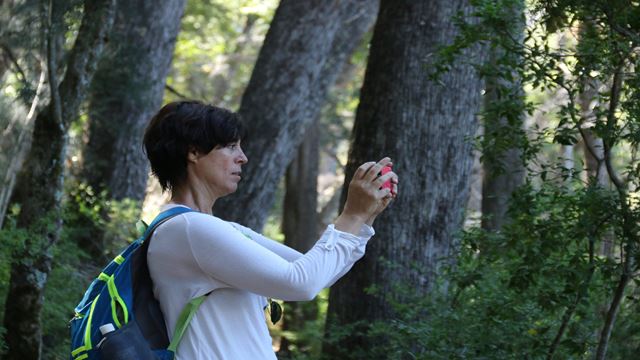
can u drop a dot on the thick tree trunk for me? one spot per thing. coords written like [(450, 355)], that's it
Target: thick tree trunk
[(424, 127), (301, 57), (497, 189), (505, 174), (40, 185), (299, 219), (127, 89)]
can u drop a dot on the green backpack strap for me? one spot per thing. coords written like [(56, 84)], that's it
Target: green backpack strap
[(183, 321)]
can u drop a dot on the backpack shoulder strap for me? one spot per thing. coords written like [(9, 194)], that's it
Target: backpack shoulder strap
[(162, 217), (184, 319)]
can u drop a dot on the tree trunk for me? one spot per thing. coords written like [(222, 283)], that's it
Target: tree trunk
[(593, 148), (24, 59), (19, 150), (6, 17), (503, 175), (301, 57), (299, 216), (299, 219), (597, 171), (568, 162), (40, 184), (424, 127), (127, 90)]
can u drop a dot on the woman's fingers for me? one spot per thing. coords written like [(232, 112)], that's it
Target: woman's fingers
[(371, 169), (362, 170), (385, 193), (390, 176), (394, 185), (366, 195), (374, 170)]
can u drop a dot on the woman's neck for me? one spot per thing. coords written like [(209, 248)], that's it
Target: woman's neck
[(192, 196)]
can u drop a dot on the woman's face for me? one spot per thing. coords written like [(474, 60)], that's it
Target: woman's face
[(220, 169)]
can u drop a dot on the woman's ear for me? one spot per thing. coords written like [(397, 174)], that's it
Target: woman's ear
[(193, 155)]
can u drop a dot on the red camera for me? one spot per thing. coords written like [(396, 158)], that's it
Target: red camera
[(387, 184)]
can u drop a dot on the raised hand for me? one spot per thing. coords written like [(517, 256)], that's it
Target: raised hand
[(365, 198)]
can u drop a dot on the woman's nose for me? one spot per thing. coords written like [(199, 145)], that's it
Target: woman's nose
[(243, 158)]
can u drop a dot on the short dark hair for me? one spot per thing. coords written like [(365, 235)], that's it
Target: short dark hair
[(182, 126)]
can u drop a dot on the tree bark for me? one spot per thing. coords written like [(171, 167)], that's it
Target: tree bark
[(423, 127), (299, 216), (19, 151), (126, 91), (299, 219), (40, 184), (303, 51), (24, 59), (610, 318), (505, 174)]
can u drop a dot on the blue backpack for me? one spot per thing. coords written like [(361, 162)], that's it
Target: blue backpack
[(122, 295)]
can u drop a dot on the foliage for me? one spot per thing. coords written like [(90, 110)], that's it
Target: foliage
[(88, 210), (510, 290), (21, 33), (311, 334), (216, 49), (64, 283), (10, 238), (72, 272)]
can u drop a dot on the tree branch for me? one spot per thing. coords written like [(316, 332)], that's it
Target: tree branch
[(611, 316), (611, 118), (56, 106), (617, 28), (176, 92), (15, 63), (83, 59), (627, 226)]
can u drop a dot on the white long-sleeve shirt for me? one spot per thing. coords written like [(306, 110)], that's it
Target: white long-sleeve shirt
[(193, 254)]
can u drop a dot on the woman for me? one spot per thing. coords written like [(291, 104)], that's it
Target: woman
[(195, 152)]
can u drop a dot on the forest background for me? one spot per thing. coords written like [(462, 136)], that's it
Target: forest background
[(513, 125)]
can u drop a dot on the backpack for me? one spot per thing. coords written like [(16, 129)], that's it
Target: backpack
[(122, 295)]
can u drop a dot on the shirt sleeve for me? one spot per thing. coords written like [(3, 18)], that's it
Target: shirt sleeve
[(284, 251), (225, 254), (366, 232), (289, 254)]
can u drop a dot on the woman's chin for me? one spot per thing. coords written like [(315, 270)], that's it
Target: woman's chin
[(232, 189)]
